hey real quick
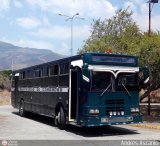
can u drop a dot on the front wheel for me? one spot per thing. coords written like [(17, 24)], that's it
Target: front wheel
[(21, 109), (61, 119)]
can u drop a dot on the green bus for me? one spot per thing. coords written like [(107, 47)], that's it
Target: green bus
[(92, 89)]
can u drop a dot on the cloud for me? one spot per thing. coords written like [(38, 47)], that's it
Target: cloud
[(17, 4), (143, 22), (39, 44), (131, 5), (4, 5), (28, 23), (35, 44), (62, 32), (46, 21), (140, 14), (155, 23), (64, 49), (86, 8)]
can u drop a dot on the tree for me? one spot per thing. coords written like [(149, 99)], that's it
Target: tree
[(122, 34), (150, 56), (113, 33), (5, 83)]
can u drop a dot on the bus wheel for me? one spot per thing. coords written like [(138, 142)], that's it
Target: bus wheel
[(21, 109), (61, 119)]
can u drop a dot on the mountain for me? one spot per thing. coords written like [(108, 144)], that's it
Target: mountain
[(14, 57)]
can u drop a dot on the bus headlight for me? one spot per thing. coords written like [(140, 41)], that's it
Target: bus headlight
[(136, 109), (94, 111), (122, 113), (114, 113), (110, 113), (133, 109), (91, 111)]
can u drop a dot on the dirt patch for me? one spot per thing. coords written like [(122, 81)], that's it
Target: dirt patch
[(154, 96), (154, 113), (151, 119), (5, 97)]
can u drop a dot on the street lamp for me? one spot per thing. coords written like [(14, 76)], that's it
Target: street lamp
[(71, 20), (150, 10)]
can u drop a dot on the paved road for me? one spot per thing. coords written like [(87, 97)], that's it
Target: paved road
[(35, 127)]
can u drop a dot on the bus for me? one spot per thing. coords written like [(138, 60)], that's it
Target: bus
[(92, 89)]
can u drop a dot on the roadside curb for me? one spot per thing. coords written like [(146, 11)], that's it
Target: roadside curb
[(150, 126)]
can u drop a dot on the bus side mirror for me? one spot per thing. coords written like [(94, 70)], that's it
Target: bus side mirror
[(143, 77)]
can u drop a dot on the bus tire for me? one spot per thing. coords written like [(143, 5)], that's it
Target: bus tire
[(21, 109), (61, 120)]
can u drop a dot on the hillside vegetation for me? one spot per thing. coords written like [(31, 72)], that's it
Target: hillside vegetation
[(5, 87), (5, 83), (14, 57)]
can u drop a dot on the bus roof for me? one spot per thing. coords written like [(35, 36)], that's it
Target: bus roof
[(95, 58)]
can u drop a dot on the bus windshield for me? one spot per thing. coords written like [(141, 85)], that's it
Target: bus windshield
[(128, 81), (124, 81), (100, 80)]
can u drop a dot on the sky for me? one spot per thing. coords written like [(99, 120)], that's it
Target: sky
[(36, 23)]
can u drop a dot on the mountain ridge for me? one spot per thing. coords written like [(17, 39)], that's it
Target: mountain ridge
[(15, 57)]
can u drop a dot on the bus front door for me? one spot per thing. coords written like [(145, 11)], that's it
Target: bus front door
[(74, 92)]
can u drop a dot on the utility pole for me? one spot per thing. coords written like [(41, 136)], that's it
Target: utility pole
[(71, 18), (149, 29), (151, 3)]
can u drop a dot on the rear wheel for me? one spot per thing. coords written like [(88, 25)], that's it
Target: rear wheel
[(21, 109), (61, 119)]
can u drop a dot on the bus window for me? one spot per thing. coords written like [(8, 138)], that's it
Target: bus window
[(23, 75), (53, 70), (45, 71), (37, 73), (29, 74), (64, 68), (100, 80), (129, 80)]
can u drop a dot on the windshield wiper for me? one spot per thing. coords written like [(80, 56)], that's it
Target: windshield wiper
[(105, 90), (126, 89)]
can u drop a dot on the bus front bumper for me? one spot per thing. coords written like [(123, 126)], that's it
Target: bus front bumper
[(110, 120)]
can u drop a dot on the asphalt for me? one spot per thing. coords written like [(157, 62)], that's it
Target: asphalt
[(36, 127)]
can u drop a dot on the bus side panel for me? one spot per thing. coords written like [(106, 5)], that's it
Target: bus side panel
[(47, 99), (25, 95), (64, 93)]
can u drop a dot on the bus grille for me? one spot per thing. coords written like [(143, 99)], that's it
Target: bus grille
[(115, 107)]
